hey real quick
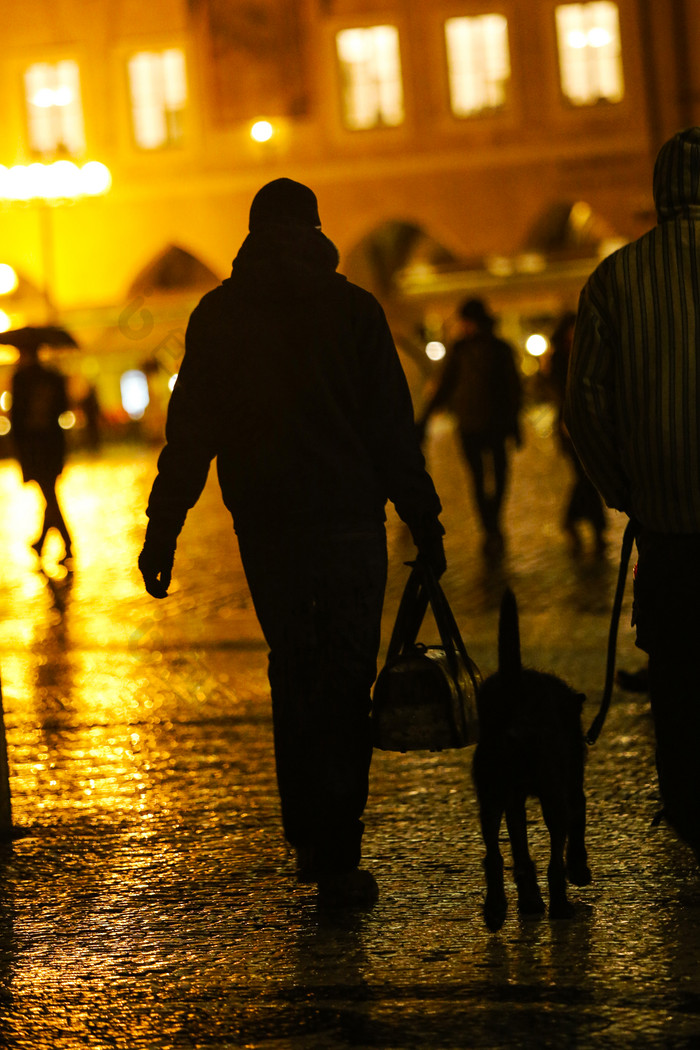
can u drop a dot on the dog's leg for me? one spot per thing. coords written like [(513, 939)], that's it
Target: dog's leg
[(576, 855), (555, 816), (495, 904), (529, 897)]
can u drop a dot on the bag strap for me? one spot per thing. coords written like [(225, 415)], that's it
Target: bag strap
[(411, 611), (450, 635), (423, 589)]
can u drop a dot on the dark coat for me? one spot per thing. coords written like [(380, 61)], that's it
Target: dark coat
[(39, 397), (291, 379), (481, 386)]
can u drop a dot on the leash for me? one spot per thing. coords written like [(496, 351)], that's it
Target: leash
[(597, 724)]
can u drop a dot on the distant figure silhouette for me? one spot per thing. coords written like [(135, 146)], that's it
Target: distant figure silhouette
[(584, 502), (93, 418), (292, 380), (481, 386), (38, 399)]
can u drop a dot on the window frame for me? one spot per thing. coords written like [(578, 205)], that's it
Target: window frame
[(170, 143), (59, 146), (616, 58), (379, 125), (484, 111)]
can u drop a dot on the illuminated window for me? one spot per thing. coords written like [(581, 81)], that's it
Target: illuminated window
[(158, 95), (370, 66), (478, 63), (54, 107), (589, 52)]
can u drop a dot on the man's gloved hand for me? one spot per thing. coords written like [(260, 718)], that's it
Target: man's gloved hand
[(156, 561), (431, 550)]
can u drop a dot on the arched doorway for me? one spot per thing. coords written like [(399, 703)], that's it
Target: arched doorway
[(375, 263)]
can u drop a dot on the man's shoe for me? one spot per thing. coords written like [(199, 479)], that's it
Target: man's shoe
[(348, 889)]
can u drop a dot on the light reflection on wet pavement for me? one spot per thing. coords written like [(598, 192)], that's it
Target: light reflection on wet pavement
[(153, 903)]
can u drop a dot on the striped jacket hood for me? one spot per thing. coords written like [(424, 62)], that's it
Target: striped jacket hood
[(677, 177)]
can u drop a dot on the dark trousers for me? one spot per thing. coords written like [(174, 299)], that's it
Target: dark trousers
[(319, 602), (481, 455), (667, 614)]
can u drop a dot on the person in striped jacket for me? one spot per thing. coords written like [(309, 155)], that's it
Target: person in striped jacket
[(632, 408)]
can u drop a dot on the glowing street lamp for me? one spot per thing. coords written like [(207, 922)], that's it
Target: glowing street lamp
[(435, 350), (48, 185), (536, 344), (262, 131)]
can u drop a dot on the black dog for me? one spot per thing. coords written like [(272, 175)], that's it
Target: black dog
[(530, 745)]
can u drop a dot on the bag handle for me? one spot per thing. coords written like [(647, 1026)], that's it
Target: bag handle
[(450, 634), (411, 612), (423, 589)]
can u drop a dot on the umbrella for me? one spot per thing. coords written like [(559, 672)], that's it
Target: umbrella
[(31, 338)]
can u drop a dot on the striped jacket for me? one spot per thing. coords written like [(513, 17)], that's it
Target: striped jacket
[(632, 402)]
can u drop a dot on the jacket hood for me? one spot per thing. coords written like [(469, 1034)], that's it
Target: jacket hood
[(677, 177), (280, 259)]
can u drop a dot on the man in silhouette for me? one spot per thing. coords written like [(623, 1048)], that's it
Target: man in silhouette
[(291, 379), (633, 412)]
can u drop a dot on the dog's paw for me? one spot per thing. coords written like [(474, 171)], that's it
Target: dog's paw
[(531, 904), (579, 874), (561, 909), (495, 907)]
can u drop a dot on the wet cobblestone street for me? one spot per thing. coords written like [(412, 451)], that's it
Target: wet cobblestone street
[(152, 902)]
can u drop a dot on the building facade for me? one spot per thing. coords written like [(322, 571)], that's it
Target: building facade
[(452, 144)]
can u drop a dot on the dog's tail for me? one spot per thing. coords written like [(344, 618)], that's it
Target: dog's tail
[(509, 662)]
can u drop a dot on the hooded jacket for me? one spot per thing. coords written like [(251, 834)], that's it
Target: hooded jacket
[(291, 380), (633, 393)]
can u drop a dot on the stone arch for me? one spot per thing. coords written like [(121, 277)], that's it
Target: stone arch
[(374, 263), (173, 270), (568, 226), (390, 247)]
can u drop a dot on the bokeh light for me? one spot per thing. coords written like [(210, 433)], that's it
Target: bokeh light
[(61, 180), (262, 131), (66, 420), (536, 345), (8, 279), (435, 350), (134, 391)]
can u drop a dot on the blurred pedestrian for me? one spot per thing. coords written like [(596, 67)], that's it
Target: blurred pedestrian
[(584, 502), (481, 386), (92, 412), (39, 397), (291, 379), (633, 411)]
